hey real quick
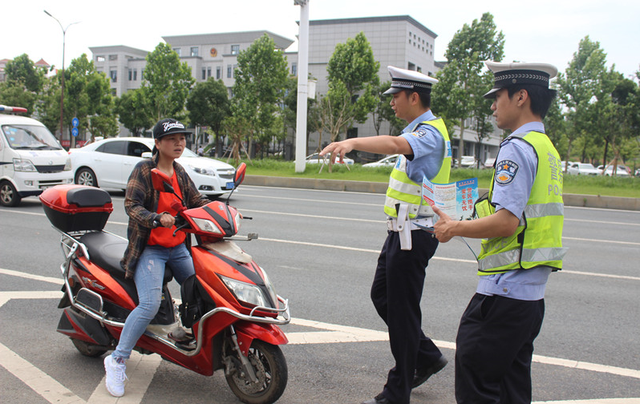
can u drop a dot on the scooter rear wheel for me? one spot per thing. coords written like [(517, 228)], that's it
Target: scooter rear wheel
[(88, 349), (270, 367)]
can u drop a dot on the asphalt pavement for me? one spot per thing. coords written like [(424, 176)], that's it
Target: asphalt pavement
[(320, 248)]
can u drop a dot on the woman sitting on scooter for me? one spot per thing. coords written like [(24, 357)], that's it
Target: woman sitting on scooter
[(151, 240)]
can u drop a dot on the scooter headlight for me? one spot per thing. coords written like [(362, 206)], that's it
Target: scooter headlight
[(246, 292), (206, 225)]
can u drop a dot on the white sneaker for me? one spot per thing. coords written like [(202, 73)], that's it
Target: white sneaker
[(115, 376)]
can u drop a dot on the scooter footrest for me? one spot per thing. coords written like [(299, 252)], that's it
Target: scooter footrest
[(89, 299)]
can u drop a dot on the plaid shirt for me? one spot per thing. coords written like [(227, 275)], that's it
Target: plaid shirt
[(141, 204)]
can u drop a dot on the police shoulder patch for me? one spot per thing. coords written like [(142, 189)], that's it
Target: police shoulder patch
[(420, 131), (506, 171)]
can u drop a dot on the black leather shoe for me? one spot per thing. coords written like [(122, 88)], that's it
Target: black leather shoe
[(379, 399), (423, 374)]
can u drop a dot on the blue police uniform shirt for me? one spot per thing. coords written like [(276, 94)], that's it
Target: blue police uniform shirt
[(427, 145), (518, 160)]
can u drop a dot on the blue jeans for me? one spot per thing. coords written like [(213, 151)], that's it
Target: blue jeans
[(148, 278)]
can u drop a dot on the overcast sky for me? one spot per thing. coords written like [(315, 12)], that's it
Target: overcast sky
[(540, 31)]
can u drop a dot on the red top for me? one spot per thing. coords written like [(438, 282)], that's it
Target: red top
[(163, 236)]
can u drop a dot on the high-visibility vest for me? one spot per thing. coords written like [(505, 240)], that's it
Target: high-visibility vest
[(538, 238), (403, 190)]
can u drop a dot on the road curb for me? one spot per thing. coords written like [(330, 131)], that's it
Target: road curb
[(589, 201)]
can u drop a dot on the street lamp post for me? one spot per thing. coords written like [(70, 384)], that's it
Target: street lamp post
[(64, 31), (303, 84)]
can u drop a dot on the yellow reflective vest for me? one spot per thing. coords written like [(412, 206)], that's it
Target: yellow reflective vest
[(403, 190), (538, 238)]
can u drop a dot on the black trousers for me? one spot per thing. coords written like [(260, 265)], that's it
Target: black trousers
[(494, 347), (396, 293)]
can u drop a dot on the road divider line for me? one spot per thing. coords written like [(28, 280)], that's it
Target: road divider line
[(38, 381), (57, 281)]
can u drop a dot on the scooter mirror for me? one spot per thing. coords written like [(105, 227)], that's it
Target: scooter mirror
[(240, 172), (161, 181)]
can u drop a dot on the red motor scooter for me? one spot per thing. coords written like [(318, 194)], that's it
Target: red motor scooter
[(230, 304)]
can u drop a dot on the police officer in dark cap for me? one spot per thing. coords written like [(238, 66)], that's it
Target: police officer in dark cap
[(521, 226), (425, 151)]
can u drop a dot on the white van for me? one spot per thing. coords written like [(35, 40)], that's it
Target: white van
[(31, 159)]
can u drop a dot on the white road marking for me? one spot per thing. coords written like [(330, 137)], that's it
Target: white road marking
[(36, 379)]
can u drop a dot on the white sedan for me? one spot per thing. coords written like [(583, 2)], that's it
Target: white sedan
[(582, 169), (620, 171), (388, 161), (316, 158), (108, 163)]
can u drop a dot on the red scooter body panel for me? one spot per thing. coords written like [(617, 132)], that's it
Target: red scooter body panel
[(269, 333), (100, 281)]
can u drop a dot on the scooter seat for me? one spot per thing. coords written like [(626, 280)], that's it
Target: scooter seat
[(106, 250)]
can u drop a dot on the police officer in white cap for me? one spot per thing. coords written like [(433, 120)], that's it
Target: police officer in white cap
[(520, 223), (425, 150)]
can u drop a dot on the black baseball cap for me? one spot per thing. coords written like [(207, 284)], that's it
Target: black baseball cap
[(168, 126)]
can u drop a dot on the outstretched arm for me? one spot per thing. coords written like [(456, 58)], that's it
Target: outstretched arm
[(372, 144)]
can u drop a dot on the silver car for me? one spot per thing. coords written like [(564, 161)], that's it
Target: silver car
[(108, 163)]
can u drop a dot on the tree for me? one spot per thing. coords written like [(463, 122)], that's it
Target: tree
[(166, 83), (621, 118), (459, 93), (24, 83), (22, 70), (258, 92), (383, 112), (582, 81), (88, 98), (290, 113), (353, 66), (134, 112), (208, 105)]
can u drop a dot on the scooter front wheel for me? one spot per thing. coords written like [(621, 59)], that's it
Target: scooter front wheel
[(270, 367)]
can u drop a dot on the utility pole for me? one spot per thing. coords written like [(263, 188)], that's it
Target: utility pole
[(303, 84)]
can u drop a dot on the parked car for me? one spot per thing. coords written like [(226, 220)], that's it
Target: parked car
[(582, 169), (620, 170), (388, 161), (316, 158), (488, 163), (469, 162), (108, 163)]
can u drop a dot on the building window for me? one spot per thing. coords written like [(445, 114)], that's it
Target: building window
[(113, 73), (208, 71), (113, 57), (235, 49), (141, 74), (294, 69), (228, 71), (135, 74), (235, 67), (419, 69), (218, 72), (411, 66), (130, 74), (178, 51), (193, 51), (204, 74), (100, 58)]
